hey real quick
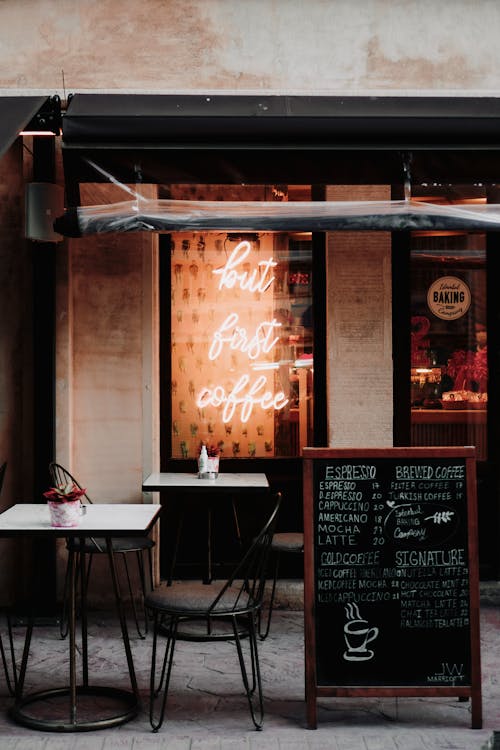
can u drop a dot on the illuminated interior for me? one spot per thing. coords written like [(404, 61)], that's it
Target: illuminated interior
[(449, 369), (242, 346)]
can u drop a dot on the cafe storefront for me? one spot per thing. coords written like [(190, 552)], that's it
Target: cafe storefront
[(372, 323)]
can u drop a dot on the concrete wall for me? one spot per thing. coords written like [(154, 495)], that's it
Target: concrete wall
[(318, 45)]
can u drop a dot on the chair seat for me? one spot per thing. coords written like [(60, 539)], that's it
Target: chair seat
[(193, 599), (119, 544), (288, 542)]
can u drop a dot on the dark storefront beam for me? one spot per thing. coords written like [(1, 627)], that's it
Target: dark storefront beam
[(266, 165), (141, 120)]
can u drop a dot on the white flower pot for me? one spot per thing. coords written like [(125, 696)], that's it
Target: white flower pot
[(64, 514)]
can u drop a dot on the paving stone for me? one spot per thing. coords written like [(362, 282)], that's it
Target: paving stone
[(112, 741), (376, 742), (159, 742), (25, 743)]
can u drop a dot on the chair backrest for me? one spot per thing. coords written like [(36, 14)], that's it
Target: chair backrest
[(245, 587), (59, 475)]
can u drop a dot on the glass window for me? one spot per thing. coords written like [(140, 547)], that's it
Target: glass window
[(241, 342), (449, 370)]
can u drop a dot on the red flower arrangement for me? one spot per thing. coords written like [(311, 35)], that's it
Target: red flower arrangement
[(467, 367), (64, 493)]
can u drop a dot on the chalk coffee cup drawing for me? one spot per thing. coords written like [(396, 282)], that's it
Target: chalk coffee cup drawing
[(357, 635)]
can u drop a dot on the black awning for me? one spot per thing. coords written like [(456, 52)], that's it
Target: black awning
[(229, 121), (232, 139), (22, 112)]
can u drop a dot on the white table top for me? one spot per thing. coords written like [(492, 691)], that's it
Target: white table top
[(120, 519), (226, 481)]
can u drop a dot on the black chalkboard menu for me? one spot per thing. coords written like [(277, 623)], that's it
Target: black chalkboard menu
[(391, 574)]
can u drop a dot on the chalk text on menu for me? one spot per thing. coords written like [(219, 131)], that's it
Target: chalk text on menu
[(360, 516)]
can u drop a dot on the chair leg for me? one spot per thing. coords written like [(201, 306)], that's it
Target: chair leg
[(236, 523), (263, 635), (12, 653), (165, 629), (178, 533), (166, 670), (145, 588), (150, 572), (64, 623), (256, 712), (131, 594), (11, 684), (142, 577), (24, 659), (63, 627)]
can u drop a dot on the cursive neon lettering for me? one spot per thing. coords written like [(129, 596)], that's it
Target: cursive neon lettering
[(244, 395), (257, 280), (237, 398), (237, 338)]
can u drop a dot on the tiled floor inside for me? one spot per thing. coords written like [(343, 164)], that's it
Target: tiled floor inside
[(207, 711)]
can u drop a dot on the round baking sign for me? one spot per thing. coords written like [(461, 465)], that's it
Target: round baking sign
[(448, 298)]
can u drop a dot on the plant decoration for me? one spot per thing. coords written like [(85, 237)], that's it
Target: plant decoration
[(64, 493), (468, 368)]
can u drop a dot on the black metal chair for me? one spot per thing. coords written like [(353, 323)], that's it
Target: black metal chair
[(219, 611), (283, 543), (121, 546), (10, 681)]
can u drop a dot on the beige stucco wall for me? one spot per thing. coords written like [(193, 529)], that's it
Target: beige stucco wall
[(281, 45), (105, 366), (106, 357)]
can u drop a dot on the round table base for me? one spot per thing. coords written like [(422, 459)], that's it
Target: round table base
[(124, 707)]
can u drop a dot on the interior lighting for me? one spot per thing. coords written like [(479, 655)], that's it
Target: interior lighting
[(39, 132), (265, 365)]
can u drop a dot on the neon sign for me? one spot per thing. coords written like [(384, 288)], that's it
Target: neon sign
[(217, 396), (237, 338), (251, 282), (244, 395)]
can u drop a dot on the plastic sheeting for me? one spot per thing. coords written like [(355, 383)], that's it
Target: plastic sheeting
[(146, 215)]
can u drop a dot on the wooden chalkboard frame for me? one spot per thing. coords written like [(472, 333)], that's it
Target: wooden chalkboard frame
[(312, 689)]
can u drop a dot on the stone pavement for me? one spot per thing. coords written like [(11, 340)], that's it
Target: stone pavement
[(206, 709)]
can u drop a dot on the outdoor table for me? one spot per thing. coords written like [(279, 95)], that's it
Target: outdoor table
[(99, 520), (226, 484)]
